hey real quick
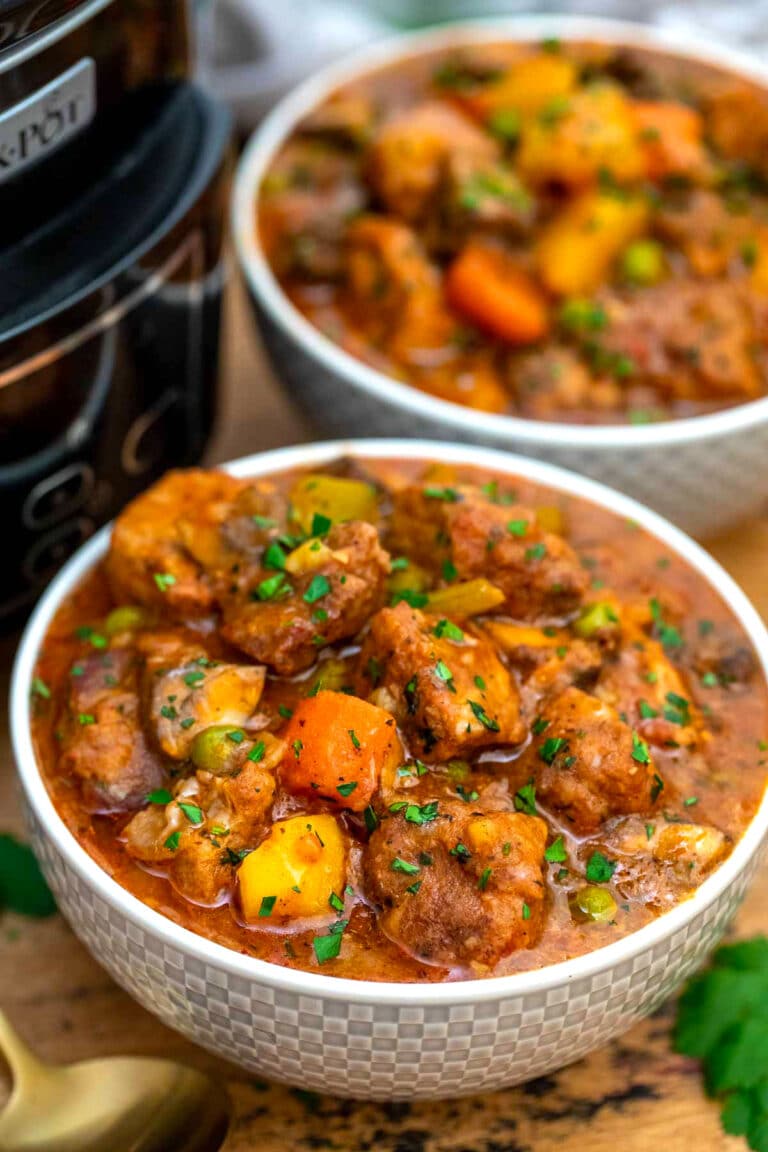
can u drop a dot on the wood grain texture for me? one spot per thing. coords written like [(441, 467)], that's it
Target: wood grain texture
[(633, 1095)]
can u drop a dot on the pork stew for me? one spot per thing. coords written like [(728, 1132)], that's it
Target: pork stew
[(398, 720)]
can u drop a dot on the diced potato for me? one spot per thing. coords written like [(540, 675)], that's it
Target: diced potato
[(578, 139), (550, 519), (337, 748), (334, 497), (470, 598), (509, 637), (414, 577), (313, 553), (758, 276), (576, 251), (527, 88), (294, 871)]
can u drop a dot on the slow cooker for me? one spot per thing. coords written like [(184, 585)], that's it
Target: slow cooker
[(111, 271)]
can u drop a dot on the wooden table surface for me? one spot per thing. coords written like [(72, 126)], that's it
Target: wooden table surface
[(633, 1095)]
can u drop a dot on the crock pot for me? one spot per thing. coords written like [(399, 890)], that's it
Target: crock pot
[(110, 291)]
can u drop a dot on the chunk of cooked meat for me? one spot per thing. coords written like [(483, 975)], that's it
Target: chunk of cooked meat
[(538, 572), (699, 223), (643, 685), (587, 763), (204, 830), (461, 888), (550, 381), (407, 156), (689, 339), (307, 200), (659, 862), (481, 194), (282, 621), (152, 558), (722, 653), (451, 696), (347, 118), (102, 739)]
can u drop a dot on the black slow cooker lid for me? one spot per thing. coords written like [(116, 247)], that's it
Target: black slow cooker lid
[(69, 235)]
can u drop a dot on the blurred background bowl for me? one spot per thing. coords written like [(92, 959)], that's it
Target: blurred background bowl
[(705, 473)]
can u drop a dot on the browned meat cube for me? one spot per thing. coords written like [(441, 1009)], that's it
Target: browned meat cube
[(686, 338), (103, 743), (482, 195), (153, 557), (538, 571), (587, 763), (203, 831), (405, 161), (450, 695), (463, 887), (283, 620)]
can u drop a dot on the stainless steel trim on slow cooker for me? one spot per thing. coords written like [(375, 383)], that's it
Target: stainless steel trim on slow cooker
[(47, 118), (44, 39)]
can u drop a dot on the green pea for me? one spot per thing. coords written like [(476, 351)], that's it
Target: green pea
[(643, 262), (596, 618), (126, 618), (593, 903), (213, 749)]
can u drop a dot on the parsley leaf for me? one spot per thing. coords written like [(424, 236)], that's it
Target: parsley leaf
[(600, 869)]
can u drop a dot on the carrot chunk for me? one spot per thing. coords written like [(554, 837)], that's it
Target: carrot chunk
[(670, 137), (486, 286), (338, 746)]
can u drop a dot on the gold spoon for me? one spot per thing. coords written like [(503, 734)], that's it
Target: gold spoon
[(116, 1104)]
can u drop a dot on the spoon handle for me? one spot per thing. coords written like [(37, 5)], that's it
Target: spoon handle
[(22, 1063)]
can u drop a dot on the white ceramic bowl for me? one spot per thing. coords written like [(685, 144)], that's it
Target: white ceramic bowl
[(357, 1038), (705, 473)]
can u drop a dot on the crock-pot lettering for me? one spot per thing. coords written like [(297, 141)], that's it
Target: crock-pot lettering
[(398, 720), (566, 232)]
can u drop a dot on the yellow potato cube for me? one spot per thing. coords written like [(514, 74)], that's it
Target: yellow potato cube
[(527, 87), (576, 251), (294, 871), (574, 140), (334, 497)]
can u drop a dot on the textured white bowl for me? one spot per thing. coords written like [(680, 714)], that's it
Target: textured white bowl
[(705, 473), (357, 1038)]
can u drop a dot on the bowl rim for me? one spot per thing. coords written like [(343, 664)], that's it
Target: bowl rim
[(319, 984), (526, 433)]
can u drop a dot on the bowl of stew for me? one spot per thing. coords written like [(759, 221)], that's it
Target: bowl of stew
[(543, 234), (394, 768)]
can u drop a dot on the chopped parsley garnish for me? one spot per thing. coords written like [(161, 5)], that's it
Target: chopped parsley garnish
[(263, 521), (274, 557), (284, 711), (164, 580), (646, 711), (399, 564), (411, 596), (353, 737), (413, 888), (517, 527), (370, 818), (267, 904), (168, 712), (461, 852), (480, 683), (677, 709), (328, 947), (193, 678), (537, 552), (539, 725), (39, 688), (485, 876), (690, 801), (236, 735), (526, 912), (551, 747), (649, 831), (346, 789), (669, 636), (525, 799), (421, 813), (336, 902), (448, 630), (192, 812), (321, 525), (257, 752), (710, 680), (297, 749), (657, 787), (556, 853), (273, 587), (487, 721), (86, 718), (172, 842), (600, 869), (467, 797), (158, 796), (448, 495), (444, 673), (640, 751), (400, 865)]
